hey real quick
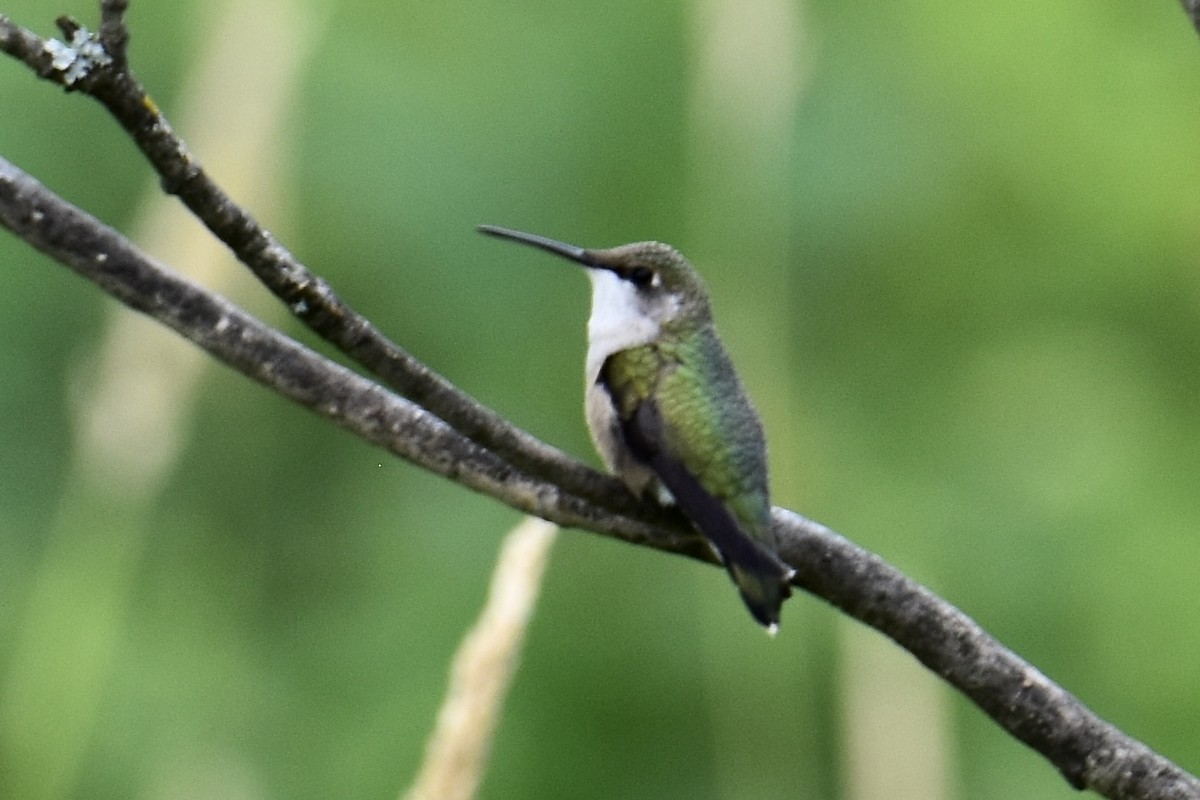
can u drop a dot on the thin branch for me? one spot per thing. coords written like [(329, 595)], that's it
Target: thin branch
[(1192, 8), (103, 256), (305, 294), (1089, 752), (114, 35)]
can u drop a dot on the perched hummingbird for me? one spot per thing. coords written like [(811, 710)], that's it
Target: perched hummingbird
[(666, 409)]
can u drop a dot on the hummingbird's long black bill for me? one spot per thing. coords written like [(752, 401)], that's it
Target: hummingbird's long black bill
[(577, 254)]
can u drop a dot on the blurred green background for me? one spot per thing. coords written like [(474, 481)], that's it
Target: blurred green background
[(953, 248)]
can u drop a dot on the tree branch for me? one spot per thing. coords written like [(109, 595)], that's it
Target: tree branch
[(1192, 8), (307, 296), (443, 430), (1089, 752), (103, 256), (114, 35)]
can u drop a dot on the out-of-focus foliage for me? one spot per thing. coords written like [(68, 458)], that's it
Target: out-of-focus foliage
[(953, 246)]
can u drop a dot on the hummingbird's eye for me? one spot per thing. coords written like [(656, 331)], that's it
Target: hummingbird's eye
[(641, 277)]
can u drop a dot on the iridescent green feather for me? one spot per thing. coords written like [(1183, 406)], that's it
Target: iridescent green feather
[(709, 423)]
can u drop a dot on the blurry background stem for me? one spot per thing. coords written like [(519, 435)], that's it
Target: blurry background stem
[(483, 667), (133, 403)]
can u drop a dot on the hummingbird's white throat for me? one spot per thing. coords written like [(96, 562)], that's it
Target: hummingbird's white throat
[(620, 319)]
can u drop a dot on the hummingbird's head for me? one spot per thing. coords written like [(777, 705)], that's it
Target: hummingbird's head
[(642, 284), (654, 277)]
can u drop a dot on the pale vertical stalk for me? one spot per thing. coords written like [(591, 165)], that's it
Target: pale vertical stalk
[(896, 722), (749, 65), (132, 409), (457, 751), (751, 62), (753, 59)]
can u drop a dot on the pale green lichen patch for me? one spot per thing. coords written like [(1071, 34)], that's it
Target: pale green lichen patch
[(77, 59)]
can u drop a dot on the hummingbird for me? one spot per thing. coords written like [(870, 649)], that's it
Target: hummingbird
[(668, 413)]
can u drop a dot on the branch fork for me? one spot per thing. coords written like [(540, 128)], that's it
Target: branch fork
[(417, 414)]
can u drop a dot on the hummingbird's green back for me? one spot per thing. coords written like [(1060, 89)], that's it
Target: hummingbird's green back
[(708, 422), (682, 410)]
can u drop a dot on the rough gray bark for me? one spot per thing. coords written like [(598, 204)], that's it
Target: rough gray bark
[(437, 427), (1192, 7)]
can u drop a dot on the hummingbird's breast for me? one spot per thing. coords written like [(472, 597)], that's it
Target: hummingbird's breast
[(617, 323), (605, 428)]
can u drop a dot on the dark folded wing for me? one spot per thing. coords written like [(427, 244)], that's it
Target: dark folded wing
[(643, 432)]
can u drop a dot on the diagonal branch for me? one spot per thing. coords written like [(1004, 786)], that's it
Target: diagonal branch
[(308, 296), (105, 257), (1192, 8), (443, 430), (1089, 752)]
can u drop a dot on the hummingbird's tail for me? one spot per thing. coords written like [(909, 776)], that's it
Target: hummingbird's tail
[(762, 580)]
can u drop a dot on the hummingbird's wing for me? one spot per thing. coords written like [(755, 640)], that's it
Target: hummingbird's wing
[(760, 576)]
